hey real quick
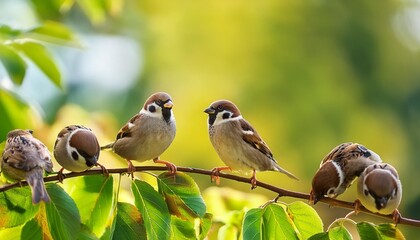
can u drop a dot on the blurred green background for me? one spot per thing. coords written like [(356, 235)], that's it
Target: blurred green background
[(308, 75)]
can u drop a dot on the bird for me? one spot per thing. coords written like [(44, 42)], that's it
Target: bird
[(25, 158), (77, 149), (339, 168), (237, 143), (379, 190), (148, 133)]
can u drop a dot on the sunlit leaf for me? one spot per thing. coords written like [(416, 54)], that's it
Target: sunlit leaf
[(182, 229), (389, 231), (270, 222), (7, 32), (53, 32), (320, 236), (305, 218), (129, 223), (42, 58), (86, 234), (109, 230), (11, 233), (368, 231), (16, 207), (62, 214), (205, 225), (153, 209), (94, 9), (94, 198), (13, 63), (182, 195), (339, 232), (228, 231)]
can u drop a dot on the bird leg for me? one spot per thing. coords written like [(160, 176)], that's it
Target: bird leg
[(215, 173), (60, 175), (253, 179), (396, 217), (104, 170), (311, 197), (131, 169), (171, 167), (357, 205)]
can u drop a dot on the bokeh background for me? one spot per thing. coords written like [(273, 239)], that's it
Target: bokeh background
[(308, 75)]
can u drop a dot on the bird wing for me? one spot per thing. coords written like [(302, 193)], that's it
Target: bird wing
[(336, 153), (250, 136), (126, 130)]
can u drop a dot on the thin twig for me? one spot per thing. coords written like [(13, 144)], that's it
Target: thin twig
[(280, 191)]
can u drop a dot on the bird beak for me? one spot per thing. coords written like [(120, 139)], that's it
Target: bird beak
[(169, 104), (381, 202), (209, 110), (91, 161)]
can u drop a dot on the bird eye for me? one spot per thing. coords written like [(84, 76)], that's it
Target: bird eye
[(152, 108), (366, 192), (226, 115)]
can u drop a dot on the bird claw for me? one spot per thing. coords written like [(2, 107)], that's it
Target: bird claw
[(253, 182), (357, 205), (60, 175), (104, 170), (215, 175), (171, 167), (396, 217), (131, 169)]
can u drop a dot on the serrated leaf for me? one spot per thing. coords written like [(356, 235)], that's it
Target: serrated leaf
[(153, 209), (182, 195), (182, 229), (339, 233), (94, 198), (368, 231), (270, 222), (62, 214), (53, 32), (389, 231), (205, 225), (129, 223), (42, 58), (13, 63), (305, 218), (16, 207)]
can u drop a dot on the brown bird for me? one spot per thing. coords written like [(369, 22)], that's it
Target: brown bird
[(25, 157), (77, 149), (148, 134), (339, 169), (237, 143)]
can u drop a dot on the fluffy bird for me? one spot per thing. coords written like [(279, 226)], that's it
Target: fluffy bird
[(379, 189), (147, 134), (25, 157), (339, 168), (77, 149), (237, 143)]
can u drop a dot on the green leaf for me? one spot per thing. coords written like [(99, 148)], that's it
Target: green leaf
[(305, 218), (94, 9), (94, 198), (228, 231), (320, 236), (13, 63), (16, 207), (7, 32), (129, 223), (182, 195), (389, 231), (42, 58), (31, 230), (62, 214), (368, 231), (153, 209), (205, 225), (11, 233), (53, 32), (339, 233), (270, 222), (182, 229)]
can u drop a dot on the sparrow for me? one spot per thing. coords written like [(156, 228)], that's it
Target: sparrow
[(339, 168), (77, 149), (379, 189), (25, 157), (237, 143), (147, 134)]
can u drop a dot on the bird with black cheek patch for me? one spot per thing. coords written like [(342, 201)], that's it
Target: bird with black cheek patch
[(379, 190), (237, 143), (339, 168), (25, 157), (147, 134), (77, 149)]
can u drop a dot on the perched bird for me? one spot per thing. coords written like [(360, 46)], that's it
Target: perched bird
[(379, 189), (148, 134), (237, 143), (25, 157), (339, 169), (77, 149)]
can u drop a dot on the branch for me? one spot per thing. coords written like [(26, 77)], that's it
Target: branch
[(280, 191)]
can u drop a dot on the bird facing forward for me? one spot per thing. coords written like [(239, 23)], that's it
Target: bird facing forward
[(237, 143), (339, 168), (25, 157), (77, 149), (147, 134)]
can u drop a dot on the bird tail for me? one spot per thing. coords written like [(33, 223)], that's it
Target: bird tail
[(35, 180), (111, 145), (290, 175)]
